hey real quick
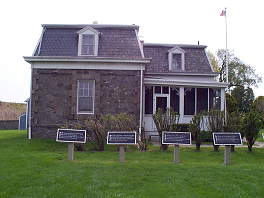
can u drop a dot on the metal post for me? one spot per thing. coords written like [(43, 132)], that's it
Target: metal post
[(121, 153), (227, 154), (176, 154), (70, 151)]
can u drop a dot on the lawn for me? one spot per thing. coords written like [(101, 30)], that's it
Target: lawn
[(39, 168), (260, 139)]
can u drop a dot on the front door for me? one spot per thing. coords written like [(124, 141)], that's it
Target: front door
[(161, 103), (156, 97)]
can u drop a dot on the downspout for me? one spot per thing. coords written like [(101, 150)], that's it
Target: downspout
[(141, 102), (30, 103), (140, 44)]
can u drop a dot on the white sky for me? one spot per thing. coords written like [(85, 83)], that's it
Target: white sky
[(167, 21)]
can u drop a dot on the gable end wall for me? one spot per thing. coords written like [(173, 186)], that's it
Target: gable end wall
[(54, 97)]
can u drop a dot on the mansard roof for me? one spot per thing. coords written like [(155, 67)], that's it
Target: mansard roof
[(119, 42), (196, 60), (115, 41)]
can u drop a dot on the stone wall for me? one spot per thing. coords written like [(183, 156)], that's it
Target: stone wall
[(8, 124), (54, 97)]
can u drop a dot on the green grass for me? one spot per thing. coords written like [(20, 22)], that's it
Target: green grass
[(39, 168), (260, 139)]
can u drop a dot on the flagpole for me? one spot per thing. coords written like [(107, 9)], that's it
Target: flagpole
[(226, 65), (226, 49), (224, 14)]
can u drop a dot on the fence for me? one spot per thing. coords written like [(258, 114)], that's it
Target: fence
[(9, 124)]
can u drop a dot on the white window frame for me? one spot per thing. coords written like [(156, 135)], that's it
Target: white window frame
[(176, 50), (90, 32), (93, 97), (88, 45), (208, 98)]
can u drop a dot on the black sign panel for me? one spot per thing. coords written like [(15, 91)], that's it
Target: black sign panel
[(227, 139), (71, 135), (121, 137), (176, 138)]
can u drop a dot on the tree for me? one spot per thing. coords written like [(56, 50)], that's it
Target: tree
[(244, 97), (216, 123), (241, 77), (195, 127), (258, 106), (251, 125), (213, 61), (165, 121), (231, 103), (239, 73)]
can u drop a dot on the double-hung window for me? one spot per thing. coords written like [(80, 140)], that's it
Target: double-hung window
[(86, 94), (88, 41), (176, 62), (176, 59), (87, 44)]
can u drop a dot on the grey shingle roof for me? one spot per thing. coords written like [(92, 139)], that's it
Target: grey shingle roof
[(119, 41), (59, 42), (195, 58), (114, 42)]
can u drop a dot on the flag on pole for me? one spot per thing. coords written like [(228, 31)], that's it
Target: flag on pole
[(223, 13)]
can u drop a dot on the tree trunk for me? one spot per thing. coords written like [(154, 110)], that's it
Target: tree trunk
[(163, 147), (216, 147), (250, 148), (198, 145), (232, 148)]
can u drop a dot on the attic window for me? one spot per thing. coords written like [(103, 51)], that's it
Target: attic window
[(87, 44), (176, 63), (88, 41), (176, 59)]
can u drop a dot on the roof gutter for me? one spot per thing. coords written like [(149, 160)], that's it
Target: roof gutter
[(92, 25), (149, 81), (31, 59)]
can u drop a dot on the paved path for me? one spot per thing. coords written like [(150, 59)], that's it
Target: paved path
[(259, 144)]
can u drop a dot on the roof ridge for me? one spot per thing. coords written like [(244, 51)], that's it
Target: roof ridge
[(91, 25), (174, 45)]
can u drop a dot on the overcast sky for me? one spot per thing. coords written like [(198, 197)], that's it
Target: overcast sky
[(172, 21)]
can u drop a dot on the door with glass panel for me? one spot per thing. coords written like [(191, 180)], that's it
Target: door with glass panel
[(161, 103)]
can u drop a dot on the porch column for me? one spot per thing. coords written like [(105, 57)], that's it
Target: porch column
[(223, 100), (181, 108), (223, 103)]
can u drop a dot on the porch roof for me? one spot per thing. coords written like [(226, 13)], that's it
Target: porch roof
[(180, 82)]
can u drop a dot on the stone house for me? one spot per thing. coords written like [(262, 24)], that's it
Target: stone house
[(80, 71)]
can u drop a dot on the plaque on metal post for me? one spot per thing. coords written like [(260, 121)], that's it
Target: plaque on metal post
[(121, 138), (176, 138), (71, 135), (124, 138), (227, 139)]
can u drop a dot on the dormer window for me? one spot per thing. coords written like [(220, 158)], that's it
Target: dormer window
[(88, 42), (176, 63), (176, 59)]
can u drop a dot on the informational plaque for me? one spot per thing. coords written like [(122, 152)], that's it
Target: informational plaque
[(176, 138), (123, 138), (227, 139), (71, 135)]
